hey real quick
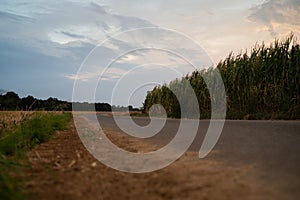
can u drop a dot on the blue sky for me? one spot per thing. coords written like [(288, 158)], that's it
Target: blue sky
[(44, 43)]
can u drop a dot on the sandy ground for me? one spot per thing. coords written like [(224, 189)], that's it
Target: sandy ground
[(63, 169)]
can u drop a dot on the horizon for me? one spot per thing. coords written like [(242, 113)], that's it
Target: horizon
[(44, 43), (2, 93)]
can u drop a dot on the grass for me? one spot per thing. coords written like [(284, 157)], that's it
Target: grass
[(33, 129), (9, 119)]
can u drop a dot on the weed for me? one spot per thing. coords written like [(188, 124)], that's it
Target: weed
[(15, 142)]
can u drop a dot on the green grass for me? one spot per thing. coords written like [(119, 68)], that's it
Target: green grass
[(16, 142)]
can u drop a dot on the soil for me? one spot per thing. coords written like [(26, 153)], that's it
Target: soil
[(63, 169)]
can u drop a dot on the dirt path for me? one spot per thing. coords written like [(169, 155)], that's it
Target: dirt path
[(63, 169)]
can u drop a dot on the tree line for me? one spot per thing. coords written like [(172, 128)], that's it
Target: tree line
[(11, 101), (262, 84)]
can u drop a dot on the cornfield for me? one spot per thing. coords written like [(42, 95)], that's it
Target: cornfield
[(264, 84), (11, 119)]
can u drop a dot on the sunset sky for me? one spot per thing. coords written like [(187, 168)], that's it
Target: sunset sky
[(44, 43)]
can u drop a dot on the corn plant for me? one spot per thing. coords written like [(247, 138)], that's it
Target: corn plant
[(263, 84)]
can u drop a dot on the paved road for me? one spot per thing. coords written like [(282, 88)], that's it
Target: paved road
[(271, 148)]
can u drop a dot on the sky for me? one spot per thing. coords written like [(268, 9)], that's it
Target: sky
[(114, 51)]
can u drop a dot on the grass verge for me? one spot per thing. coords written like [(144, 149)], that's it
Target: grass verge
[(16, 142)]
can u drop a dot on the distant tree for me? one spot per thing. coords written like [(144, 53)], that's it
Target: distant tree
[(28, 103), (9, 101), (102, 107)]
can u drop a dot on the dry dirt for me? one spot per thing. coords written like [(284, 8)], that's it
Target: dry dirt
[(63, 169)]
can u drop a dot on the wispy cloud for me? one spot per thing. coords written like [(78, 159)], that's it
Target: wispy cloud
[(82, 77), (277, 13), (53, 38), (44, 42), (14, 17), (106, 75)]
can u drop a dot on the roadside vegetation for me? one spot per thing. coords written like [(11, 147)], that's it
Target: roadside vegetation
[(19, 133), (261, 84)]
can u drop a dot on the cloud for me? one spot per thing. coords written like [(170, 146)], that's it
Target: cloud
[(60, 33), (97, 8), (105, 75), (128, 58), (73, 35), (14, 17), (275, 13), (43, 43), (63, 22), (82, 77)]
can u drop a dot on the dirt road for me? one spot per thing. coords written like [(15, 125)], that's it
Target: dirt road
[(252, 160)]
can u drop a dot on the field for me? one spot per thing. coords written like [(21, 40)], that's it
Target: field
[(260, 84), (20, 132), (9, 119)]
